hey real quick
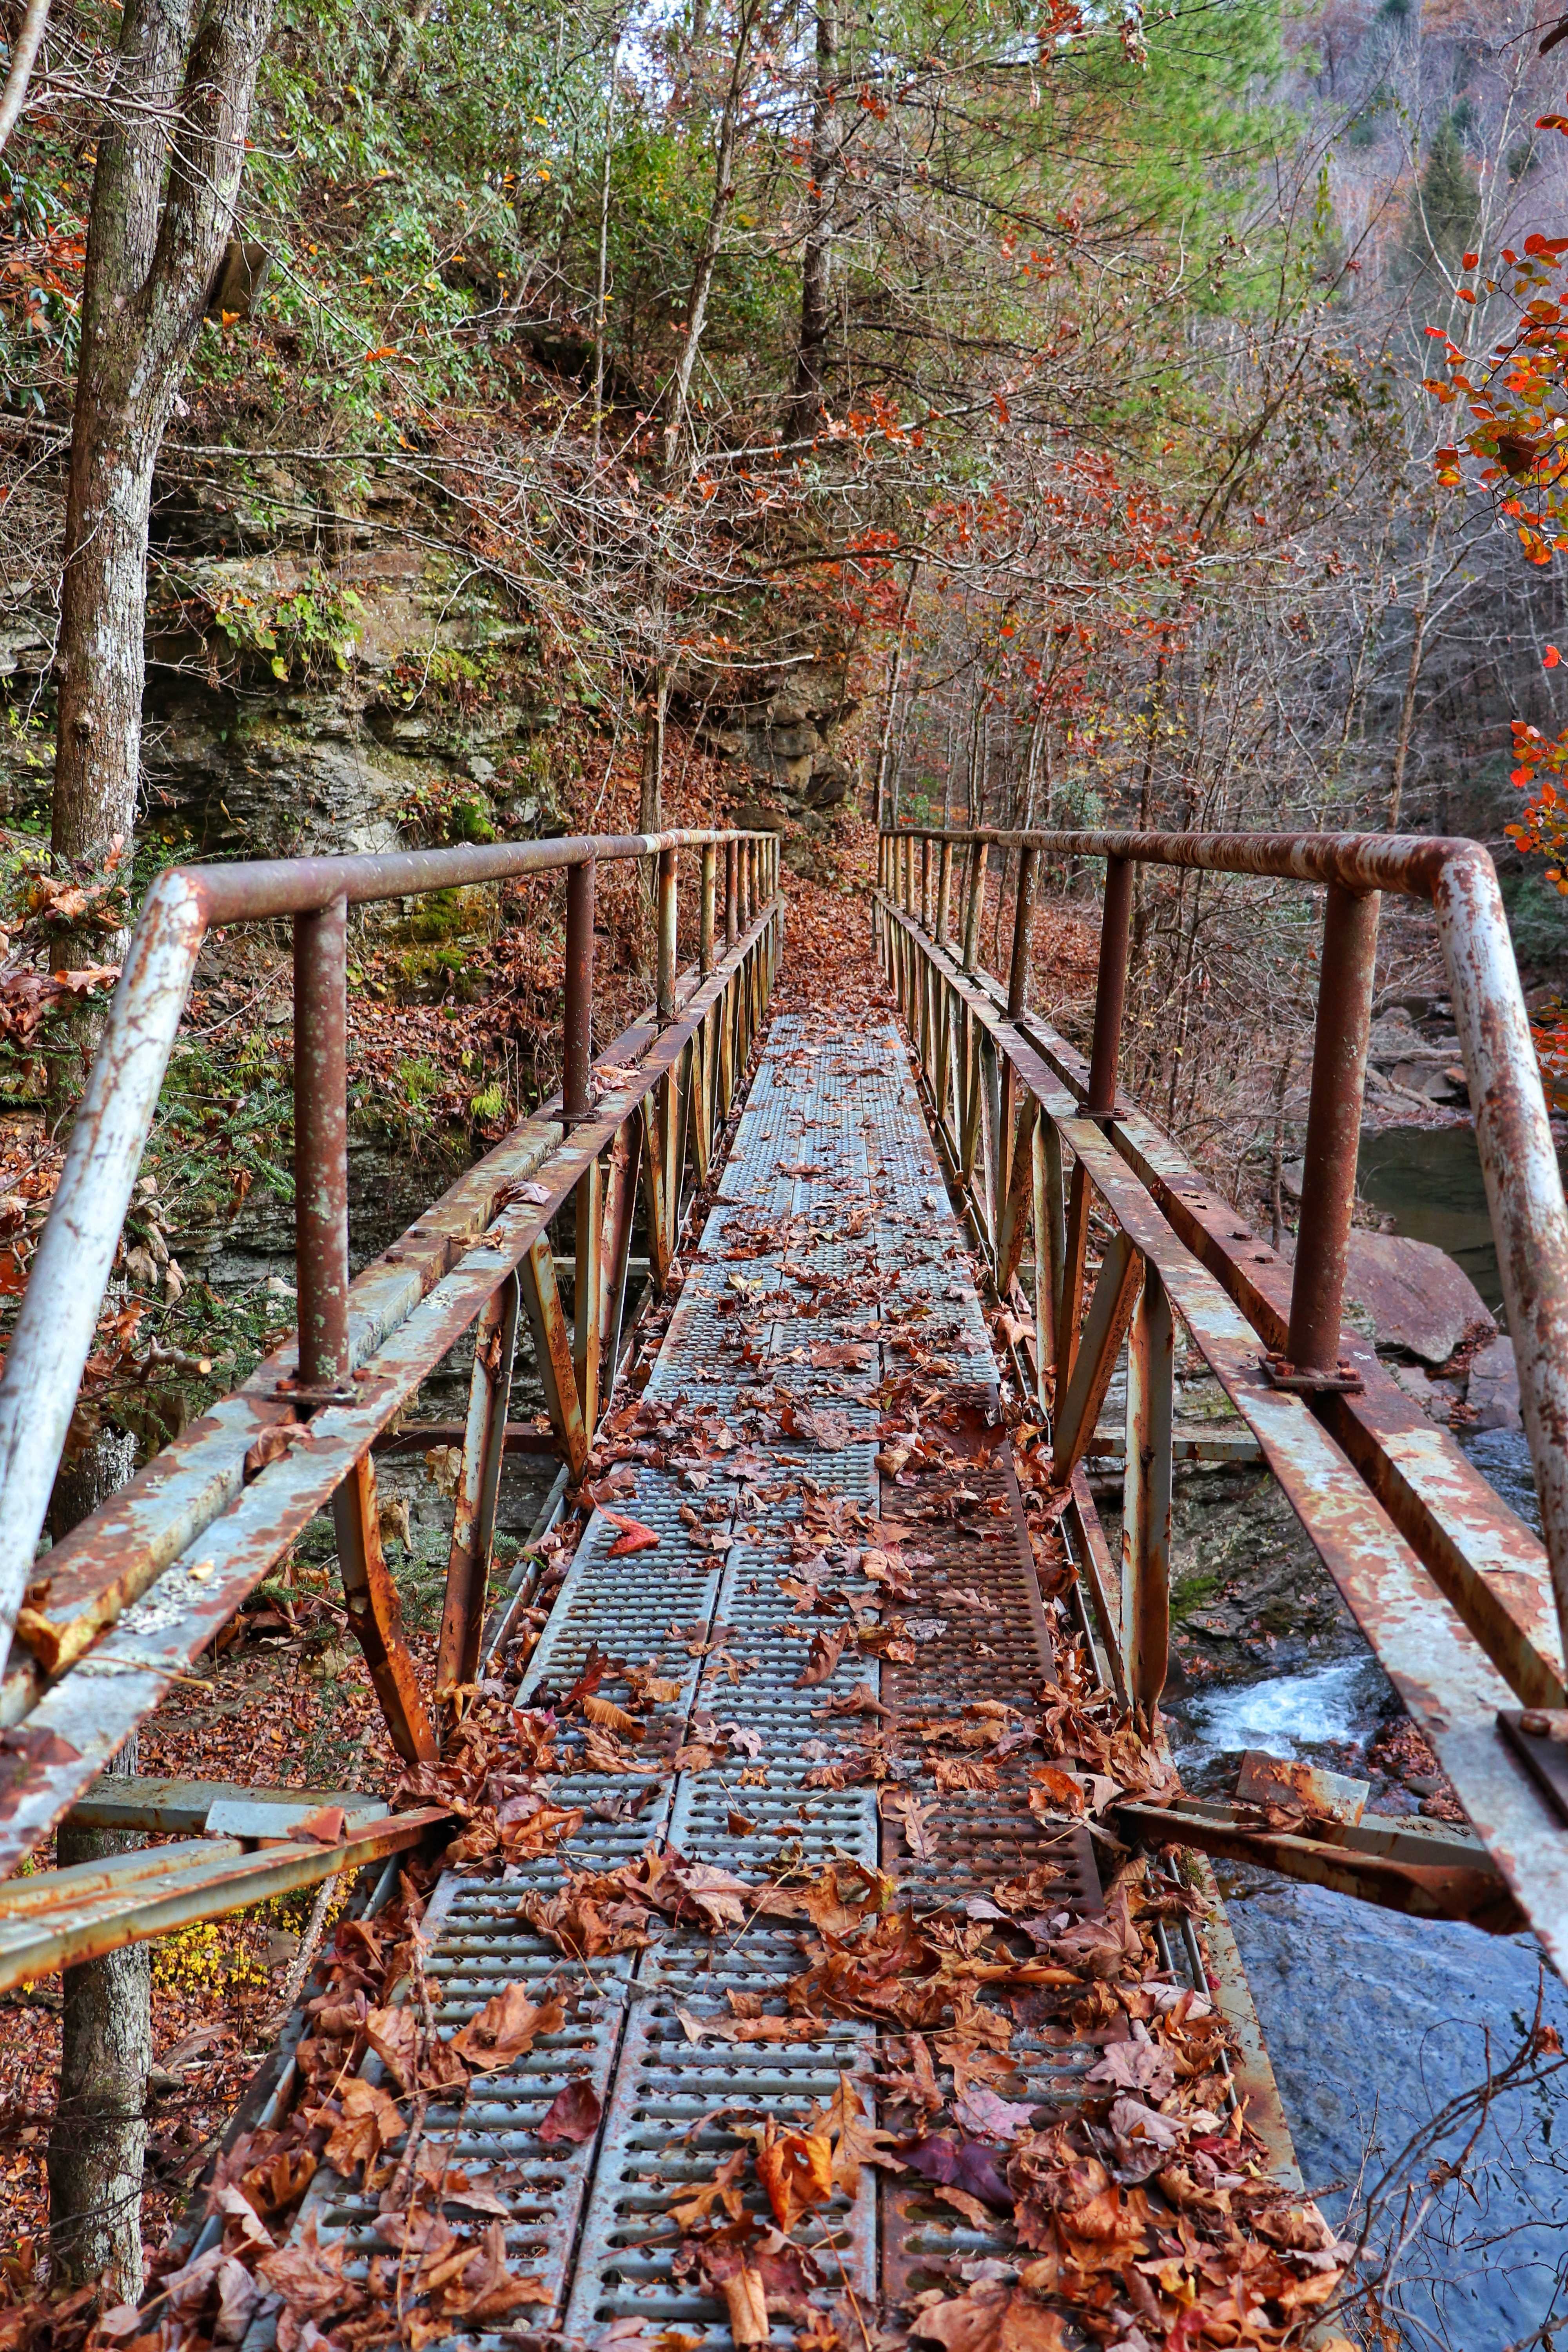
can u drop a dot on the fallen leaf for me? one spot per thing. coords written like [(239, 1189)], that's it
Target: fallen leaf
[(634, 1535), (795, 2169), (993, 2319), (826, 1649), (507, 2028), (572, 2114)]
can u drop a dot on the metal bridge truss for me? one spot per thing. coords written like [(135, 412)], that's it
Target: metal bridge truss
[(1463, 1607), (106, 1621)]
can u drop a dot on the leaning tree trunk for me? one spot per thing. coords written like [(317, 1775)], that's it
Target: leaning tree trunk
[(171, 150), (98, 2145), (102, 668), (816, 259), (157, 227)]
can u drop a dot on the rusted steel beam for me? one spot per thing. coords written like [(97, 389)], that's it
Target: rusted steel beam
[(1095, 1565), (125, 1800), (375, 1613), (706, 913), (1104, 1328), (1022, 933), (552, 1354), (79, 1918), (1146, 1504), (1013, 1224), (587, 1278), (479, 1486), (975, 905), (577, 1061), (1050, 1242), (1334, 1129), (620, 1212), (1427, 1878), (667, 951)]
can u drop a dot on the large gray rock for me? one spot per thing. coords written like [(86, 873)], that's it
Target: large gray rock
[(1417, 1298), (1494, 1387)]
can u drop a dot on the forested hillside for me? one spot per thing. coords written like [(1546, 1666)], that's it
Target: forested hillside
[(1020, 416), (464, 421)]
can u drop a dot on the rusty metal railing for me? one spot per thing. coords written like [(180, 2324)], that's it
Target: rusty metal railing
[(1462, 1605), (127, 1599)]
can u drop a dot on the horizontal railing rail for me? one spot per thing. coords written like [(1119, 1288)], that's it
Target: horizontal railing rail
[(1514, 1129), (1463, 1606), (127, 1599)]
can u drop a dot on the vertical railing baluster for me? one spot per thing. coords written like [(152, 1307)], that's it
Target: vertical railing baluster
[(1333, 1129), (705, 932), (322, 1146), (667, 909), (577, 1044)]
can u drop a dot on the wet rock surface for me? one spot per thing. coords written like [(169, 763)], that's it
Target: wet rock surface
[(1374, 2022)]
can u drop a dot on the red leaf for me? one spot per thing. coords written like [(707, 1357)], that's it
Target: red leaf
[(634, 1535)]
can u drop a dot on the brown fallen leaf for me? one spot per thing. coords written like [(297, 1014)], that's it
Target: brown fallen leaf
[(611, 1717), (695, 2205), (371, 2122), (507, 2028), (993, 2319), (750, 2029), (826, 1649), (572, 2114), (796, 2168)]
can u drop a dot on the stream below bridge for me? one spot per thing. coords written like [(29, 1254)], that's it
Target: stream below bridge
[(1373, 2021)]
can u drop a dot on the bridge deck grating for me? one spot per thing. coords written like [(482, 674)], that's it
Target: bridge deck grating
[(832, 1232)]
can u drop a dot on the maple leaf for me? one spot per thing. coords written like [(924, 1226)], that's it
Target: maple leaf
[(855, 2140), (695, 2205), (507, 2028), (993, 2319), (796, 2168), (371, 2122)]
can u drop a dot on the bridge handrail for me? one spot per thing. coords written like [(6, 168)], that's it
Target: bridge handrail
[(58, 1313), (1524, 1181)]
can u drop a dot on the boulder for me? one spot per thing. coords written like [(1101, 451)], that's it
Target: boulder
[(1418, 1299), (1494, 1386)]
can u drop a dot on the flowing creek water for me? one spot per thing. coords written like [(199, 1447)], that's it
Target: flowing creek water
[(1374, 2021)]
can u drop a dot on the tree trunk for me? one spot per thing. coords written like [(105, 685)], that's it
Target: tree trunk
[(816, 260), (713, 236), (157, 227), (97, 2143), (102, 668)]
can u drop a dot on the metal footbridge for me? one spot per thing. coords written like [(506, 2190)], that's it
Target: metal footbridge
[(839, 1565)]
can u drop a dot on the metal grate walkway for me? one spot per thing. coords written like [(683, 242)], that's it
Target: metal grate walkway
[(831, 1274)]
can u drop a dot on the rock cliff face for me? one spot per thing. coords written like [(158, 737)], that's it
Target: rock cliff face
[(783, 738), (314, 685)]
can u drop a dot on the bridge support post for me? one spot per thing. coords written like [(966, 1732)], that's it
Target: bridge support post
[(666, 863), (705, 930), (1146, 1508), (577, 1072), (1334, 1129), (974, 910), (1110, 997), (321, 1147)]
